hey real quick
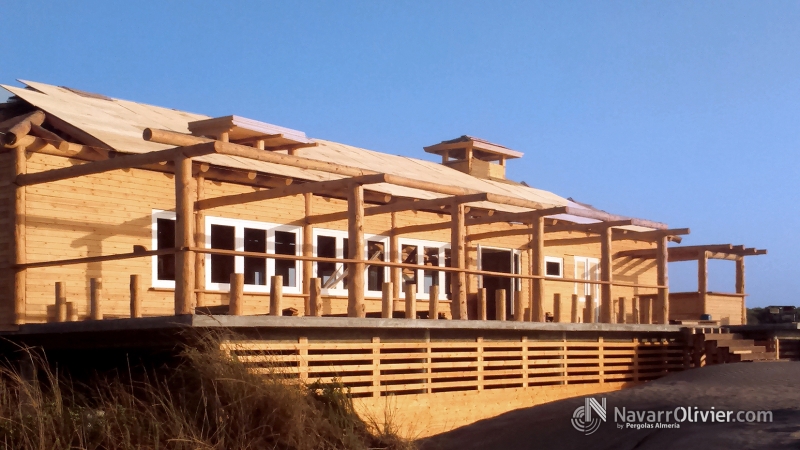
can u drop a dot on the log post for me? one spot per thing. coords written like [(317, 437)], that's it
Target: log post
[(458, 252), (557, 307), (72, 312), (482, 304), (315, 297), (276, 296), (95, 290), (394, 256), (20, 255), (235, 302), (519, 308), (702, 280), (61, 302), (355, 233), (662, 258), (184, 236), (588, 314), (500, 304), (573, 314), (308, 251), (740, 286), (136, 297), (648, 313), (386, 300), (411, 301), (605, 275), (623, 310), (200, 240), (635, 310), (537, 269), (433, 302)]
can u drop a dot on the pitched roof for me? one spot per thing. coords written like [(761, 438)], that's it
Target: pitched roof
[(119, 125)]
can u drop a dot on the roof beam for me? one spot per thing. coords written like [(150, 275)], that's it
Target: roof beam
[(588, 227), (293, 189), (520, 217), (424, 228), (403, 205), (119, 162)]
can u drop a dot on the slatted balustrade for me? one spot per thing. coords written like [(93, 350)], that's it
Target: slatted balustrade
[(402, 368)]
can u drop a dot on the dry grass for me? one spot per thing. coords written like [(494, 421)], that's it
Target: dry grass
[(210, 401)]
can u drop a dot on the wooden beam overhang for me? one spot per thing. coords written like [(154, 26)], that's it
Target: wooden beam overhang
[(293, 189), (518, 217), (120, 162), (438, 205), (724, 251)]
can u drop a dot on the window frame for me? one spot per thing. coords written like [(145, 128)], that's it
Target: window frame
[(155, 281), (554, 259), (340, 290), (270, 228), (421, 244)]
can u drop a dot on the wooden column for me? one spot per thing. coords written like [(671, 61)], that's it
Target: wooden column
[(740, 286), (235, 305), (276, 296), (308, 251), (702, 280), (394, 256), (386, 300), (200, 241), (500, 304), (573, 313), (588, 310), (355, 233), (519, 306), (61, 302), (458, 252), (184, 236), (623, 310), (19, 255), (635, 310), (557, 308), (411, 301), (537, 269), (605, 275), (662, 258), (136, 297), (315, 297), (482, 304), (433, 303)]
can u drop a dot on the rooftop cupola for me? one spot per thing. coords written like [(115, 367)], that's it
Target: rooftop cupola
[(475, 156)]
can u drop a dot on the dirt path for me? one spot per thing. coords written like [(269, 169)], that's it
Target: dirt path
[(743, 386)]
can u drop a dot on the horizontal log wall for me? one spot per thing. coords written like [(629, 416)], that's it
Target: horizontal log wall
[(109, 213)]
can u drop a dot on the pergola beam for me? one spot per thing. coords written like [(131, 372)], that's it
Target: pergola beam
[(403, 205), (724, 251), (595, 227), (120, 162), (518, 217), (316, 187)]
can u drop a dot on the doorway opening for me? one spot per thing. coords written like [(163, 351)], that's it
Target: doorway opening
[(504, 261)]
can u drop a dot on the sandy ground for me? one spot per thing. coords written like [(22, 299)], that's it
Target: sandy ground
[(771, 386)]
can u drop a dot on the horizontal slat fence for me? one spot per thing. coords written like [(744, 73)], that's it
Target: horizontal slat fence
[(400, 368)]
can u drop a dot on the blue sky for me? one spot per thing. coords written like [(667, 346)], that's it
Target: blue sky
[(681, 112)]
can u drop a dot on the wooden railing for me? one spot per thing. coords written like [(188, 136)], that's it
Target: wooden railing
[(379, 368)]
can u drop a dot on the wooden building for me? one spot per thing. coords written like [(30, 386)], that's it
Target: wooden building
[(106, 199)]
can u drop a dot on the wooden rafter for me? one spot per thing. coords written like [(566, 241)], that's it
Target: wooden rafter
[(519, 217), (120, 162), (717, 251), (293, 189), (402, 205)]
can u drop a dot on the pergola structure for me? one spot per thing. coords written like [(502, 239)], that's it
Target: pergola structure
[(353, 183)]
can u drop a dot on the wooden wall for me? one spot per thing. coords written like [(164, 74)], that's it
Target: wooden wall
[(6, 239), (109, 213)]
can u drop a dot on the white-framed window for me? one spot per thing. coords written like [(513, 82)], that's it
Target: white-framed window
[(163, 236), (428, 255), (554, 267), (334, 244), (255, 237)]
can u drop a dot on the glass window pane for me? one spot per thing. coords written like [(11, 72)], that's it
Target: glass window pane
[(431, 277), (553, 268), (222, 266), (286, 244), (255, 269), (165, 238), (375, 274), (408, 255), (326, 248)]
